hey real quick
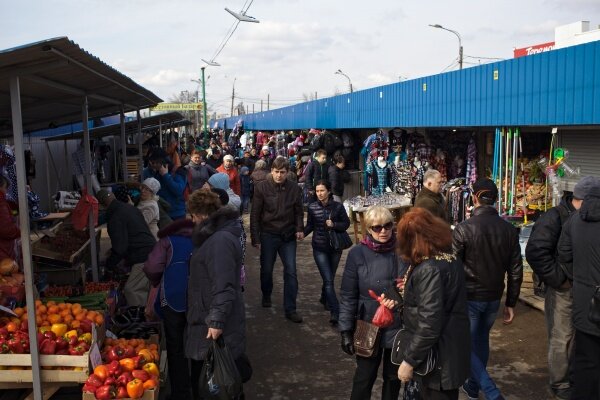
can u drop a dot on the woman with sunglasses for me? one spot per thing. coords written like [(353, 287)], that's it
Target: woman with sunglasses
[(372, 264), (323, 216)]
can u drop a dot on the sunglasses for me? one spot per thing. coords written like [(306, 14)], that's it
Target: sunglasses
[(378, 228)]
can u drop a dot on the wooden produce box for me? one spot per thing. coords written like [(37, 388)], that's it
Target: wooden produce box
[(82, 363), (151, 394), (43, 254)]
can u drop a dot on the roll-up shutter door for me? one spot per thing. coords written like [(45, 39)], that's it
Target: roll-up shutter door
[(584, 152)]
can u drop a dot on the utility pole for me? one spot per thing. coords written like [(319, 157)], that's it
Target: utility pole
[(268, 101), (316, 98), (204, 105), (261, 105), (233, 96)]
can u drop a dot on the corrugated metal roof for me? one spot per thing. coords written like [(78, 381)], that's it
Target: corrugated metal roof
[(560, 87), (55, 74), (168, 120)]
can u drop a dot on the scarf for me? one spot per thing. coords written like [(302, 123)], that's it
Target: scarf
[(379, 247)]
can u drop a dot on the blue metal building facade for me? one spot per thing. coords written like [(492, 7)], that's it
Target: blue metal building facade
[(556, 88)]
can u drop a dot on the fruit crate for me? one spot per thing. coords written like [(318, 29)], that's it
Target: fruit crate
[(151, 394), (48, 255), (9, 374)]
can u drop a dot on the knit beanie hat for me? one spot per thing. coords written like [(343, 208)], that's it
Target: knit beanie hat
[(219, 181), (152, 184)]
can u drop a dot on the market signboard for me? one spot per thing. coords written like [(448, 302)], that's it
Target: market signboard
[(535, 49), (177, 107)]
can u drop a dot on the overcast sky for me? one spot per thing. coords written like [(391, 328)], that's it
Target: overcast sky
[(296, 47)]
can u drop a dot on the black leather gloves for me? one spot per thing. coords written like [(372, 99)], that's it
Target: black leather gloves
[(348, 343)]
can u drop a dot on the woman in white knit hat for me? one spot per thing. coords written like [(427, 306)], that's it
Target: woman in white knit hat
[(148, 204)]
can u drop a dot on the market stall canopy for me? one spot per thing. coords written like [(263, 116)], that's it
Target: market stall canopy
[(55, 75), (166, 121)]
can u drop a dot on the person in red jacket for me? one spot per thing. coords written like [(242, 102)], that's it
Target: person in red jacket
[(8, 228), (230, 169)]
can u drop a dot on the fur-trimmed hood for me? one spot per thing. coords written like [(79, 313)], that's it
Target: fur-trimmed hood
[(180, 227), (224, 219)]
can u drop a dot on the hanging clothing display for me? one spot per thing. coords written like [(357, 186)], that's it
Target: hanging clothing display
[(379, 177), (471, 162), (402, 179), (8, 169), (374, 146), (458, 200), (417, 174)]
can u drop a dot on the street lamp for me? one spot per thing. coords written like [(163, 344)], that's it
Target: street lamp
[(339, 72), (460, 47)]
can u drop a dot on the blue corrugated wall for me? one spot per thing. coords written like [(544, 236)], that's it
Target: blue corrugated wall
[(560, 87)]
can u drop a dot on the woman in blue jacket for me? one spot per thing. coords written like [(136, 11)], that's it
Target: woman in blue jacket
[(323, 216), (172, 184)]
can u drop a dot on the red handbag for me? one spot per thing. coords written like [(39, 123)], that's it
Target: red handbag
[(86, 205)]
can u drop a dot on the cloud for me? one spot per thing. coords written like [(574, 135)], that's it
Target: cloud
[(167, 77), (379, 79), (583, 6), (127, 66), (545, 29)]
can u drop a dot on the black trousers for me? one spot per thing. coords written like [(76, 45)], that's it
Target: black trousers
[(179, 374), (430, 394), (366, 374), (586, 367)]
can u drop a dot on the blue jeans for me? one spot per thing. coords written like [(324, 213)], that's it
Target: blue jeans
[(245, 201), (270, 246), (328, 262), (482, 315)]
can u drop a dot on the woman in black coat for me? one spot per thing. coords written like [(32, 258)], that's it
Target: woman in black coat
[(215, 301), (372, 264), (325, 215), (435, 306)]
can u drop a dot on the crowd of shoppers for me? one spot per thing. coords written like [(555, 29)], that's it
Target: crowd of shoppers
[(443, 285)]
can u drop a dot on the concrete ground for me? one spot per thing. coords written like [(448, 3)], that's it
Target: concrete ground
[(304, 361)]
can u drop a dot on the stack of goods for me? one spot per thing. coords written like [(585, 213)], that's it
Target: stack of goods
[(131, 322), (386, 200), (12, 291), (65, 241), (130, 368), (64, 329)]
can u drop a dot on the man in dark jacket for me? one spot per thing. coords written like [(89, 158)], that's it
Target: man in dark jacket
[(317, 170), (337, 176), (132, 241), (276, 222), (578, 250), (430, 197), (542, 256), (489, 249)]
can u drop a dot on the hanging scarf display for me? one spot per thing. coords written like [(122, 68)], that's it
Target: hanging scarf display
[(402, 179), (471, 162)]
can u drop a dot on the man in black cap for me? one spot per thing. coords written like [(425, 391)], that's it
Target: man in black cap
[(131, 240), (579, 252), (542, 256), (489, 249)]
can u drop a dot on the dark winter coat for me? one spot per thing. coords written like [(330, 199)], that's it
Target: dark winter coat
[(315, 223), (579, 251), (129, 234), (364, 270), (245, 185), (214, 292), (433, 202), (336, 178), (198, 175), (316, 172), (542, 246), (489, 249), (8, 230), (259, 175), (276, 209), (435, 314)]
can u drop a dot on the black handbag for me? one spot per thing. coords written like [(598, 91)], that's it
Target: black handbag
[(594, 311), (339, 240), (399, 354)]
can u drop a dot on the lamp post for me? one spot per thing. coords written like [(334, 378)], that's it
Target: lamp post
[(339, 72), (460, 47)]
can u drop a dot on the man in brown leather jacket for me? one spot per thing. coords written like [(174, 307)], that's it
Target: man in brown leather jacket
[(430, 197), (276, 222)]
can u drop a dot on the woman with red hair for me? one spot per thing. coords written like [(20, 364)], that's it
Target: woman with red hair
[(435, 306)]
